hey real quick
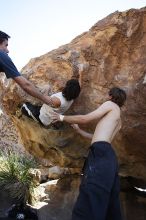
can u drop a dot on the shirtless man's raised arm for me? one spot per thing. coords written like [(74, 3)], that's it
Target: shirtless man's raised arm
[(84, 119)]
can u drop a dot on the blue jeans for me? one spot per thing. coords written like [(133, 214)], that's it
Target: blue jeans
[(99, 190)]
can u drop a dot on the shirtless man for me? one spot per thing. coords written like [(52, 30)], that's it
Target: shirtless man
[(99, 190)]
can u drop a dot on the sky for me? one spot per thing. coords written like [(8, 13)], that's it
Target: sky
[(39, 26)]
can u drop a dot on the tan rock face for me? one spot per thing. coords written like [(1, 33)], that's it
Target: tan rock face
[(9, 138), (62, 195), (111, 53), (60, 147)]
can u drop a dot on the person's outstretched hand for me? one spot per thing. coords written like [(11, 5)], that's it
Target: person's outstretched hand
[(55, 117), (75, 126)]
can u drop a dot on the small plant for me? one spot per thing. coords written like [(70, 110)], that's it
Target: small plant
[(15, 176)]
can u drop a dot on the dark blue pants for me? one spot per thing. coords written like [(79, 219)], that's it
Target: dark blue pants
[(99, 190)]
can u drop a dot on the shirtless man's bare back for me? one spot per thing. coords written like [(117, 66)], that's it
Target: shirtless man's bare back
[(99, 191)]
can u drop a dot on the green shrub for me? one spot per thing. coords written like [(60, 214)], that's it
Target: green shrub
[(15, 176)]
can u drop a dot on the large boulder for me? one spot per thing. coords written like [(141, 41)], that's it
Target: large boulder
[(111, 53)]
